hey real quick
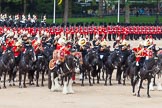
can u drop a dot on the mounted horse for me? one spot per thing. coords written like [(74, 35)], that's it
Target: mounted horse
[(6, 65), (112, 62), (27, 59), (159, 87), (41, 66), (92, 66), (150, 68), (67, 68)]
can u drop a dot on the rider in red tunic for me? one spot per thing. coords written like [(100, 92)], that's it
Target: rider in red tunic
[(17, 48), (9, 41), (140, 52)]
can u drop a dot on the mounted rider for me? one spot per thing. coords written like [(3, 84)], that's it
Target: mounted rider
[(118, 43), (62, 49), (140, 53), (17, 49), (103, 50)]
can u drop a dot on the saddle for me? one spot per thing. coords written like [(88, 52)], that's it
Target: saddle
[(56, 56)]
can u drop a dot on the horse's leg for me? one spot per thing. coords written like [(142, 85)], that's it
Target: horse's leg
[(151, 85), (37, 78), (119, 76), (10, 78), (159, 84), (70, 89), (4, 80), (30, 78), (49, 80), (42, 84), (57, 86), (89, 78), (65, 90), (24, 80), (103, 74), (93, 80), (154, 83), (62, 81), (138, 95), (110, 77), (0, 81), (14, 75), (82, 77), (98, 78), (52, 80), (148, 85), (20, 78), (106, 77), (134, 81)]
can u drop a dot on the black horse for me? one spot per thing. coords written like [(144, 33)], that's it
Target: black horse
[(112, 62), (147, 72), (6, 65), (91, 65), (122, 66), (41, 66), (25, 64), (131, 58), (67, 68)]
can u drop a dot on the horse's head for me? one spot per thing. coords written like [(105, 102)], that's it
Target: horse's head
[(9, 56), (72, 63), (76, 63), (30, 54), (116, 57)]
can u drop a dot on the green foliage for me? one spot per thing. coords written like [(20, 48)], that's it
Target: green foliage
[(109, 19)]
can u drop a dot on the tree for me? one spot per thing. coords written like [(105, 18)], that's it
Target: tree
[(66, 9), (25, 7), (127, 11), (100, 12), (0, 5), (70, 8)]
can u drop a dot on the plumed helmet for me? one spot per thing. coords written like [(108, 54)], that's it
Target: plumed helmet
[(62, 40), (103, 43), (124, 43), (82, 41), (19, 42)]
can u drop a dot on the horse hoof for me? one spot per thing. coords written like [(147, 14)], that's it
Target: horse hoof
[(149, 96), (142, 87), (82, 84), (119, 83), (134, 94), (4, 87), (42, 85), (90, 85), (20, 86), (138, 95), (14, 85), (110, 84), (37, 85), (25, 86), (10, 85), (105, 84)]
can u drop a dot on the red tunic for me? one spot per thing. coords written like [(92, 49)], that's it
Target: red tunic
[(4, 48), (16, 53), (9, 43), (58, 47)]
